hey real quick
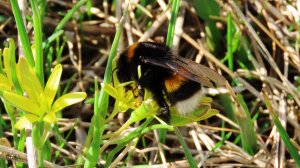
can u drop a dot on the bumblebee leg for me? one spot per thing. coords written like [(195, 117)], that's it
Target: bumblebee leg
[(137, 91), (149, 81), (165, 114), (165, 111)]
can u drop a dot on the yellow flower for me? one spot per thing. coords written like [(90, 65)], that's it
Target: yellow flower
[(38, 103)]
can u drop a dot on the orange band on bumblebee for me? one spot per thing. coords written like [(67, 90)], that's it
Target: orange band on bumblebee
[(131, 51), (174, 83)]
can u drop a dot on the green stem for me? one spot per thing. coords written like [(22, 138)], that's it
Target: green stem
[(22, 32), (40, 158), (10, 111), (171, 27), (69, 15), (38, 41), (37, 142), (186, 150), (229, 41)]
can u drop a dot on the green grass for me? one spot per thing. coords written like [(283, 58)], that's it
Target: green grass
[(283, 133), (38, 39), (22, 32)]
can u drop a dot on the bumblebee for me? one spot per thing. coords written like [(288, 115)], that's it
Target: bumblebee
[(175, 78)]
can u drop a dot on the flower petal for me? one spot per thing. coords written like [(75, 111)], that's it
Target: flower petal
[(122, 107), (50, 118), (67, 100), (6, 62), (25, 121), (52, 84), (29, 81), (4, 83), (42, 103), (110, 90), (21, 102)]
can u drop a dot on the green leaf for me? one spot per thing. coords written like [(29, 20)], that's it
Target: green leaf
[(248, 135), (92, 154), (69, 15), (213, 36), (282, 131), (172, 23), (67, 100), (208, 114), (221, 142), (205, 9), (52, 84), (22, 103), (22, 32), (181, 120), (36, 137), (236, 39), (38, 39), (52, 38), (229, 41), (185, 148)]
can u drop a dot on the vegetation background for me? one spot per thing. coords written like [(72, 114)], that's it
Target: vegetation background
[(254, 44)]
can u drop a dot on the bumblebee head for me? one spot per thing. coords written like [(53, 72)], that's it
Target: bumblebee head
[(133, 56), (122, 75), (127, 66)]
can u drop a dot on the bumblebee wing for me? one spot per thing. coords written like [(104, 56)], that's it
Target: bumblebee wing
[(188, 69), (201, 70)]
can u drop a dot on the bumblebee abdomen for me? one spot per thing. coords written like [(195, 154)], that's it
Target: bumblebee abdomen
[(174, 83), (178, 88), (182, 93)]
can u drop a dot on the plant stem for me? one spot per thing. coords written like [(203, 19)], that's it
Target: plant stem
[(31, 152)]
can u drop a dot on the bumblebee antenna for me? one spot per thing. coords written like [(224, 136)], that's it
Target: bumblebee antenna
[(113, 75), (114, 70)]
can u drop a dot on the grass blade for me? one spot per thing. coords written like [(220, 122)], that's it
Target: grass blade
[(1, 67), (38, 39), (52, 38), (13, 71), (101, 102), (22, 32), (249, 140), (169, 42), (171, 27), (186, 150), (69, 15), (283, 134), (229, 41)]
